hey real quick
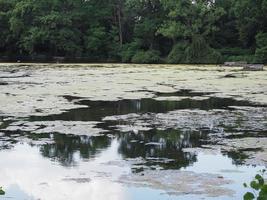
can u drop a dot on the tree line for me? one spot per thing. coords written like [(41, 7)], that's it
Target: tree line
[(138, 31)]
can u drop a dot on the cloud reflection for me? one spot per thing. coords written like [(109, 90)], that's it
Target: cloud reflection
[(24, 170)]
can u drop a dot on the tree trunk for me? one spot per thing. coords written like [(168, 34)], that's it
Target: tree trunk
[(120, 23)]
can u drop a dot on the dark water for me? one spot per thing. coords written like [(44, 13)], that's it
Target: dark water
[(99, 109)]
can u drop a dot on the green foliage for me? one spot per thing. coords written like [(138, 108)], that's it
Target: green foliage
[(235, 51), (177, 54), (246, 58), (2, 192), (150, 56), (235, 54), (261, 51), (129, 50), (197, 22), (259, 188), (251, 18), (180, 31), (200, 52), (249, 196), (95, 41)]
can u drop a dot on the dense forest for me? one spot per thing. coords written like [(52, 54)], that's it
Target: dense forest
[(138, 31)]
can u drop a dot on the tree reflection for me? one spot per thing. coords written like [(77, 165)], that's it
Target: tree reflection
[(97, 110), (161, 147), (65, 147)]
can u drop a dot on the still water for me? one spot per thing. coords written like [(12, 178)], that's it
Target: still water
[(53, 165)]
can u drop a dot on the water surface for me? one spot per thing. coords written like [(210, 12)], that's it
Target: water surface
[(131, 137)]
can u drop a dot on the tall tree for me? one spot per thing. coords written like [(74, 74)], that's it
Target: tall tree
[(190, 25), (6, 39), (143, 31)]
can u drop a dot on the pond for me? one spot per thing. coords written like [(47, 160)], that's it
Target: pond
[(115, 131)]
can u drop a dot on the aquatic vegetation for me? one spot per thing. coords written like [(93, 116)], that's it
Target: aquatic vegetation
[(181, 182), (186, 131), (64, 127), (111, 82)]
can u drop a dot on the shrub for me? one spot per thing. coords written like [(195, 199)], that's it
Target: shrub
[(129, 50), (247, 58), (146, 57), (2, 192), (177, 54), (259, 188), (235, 51), (201, 53)]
